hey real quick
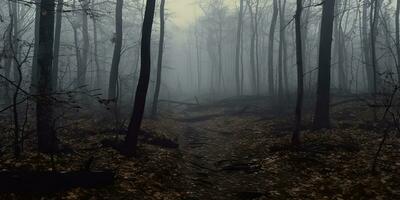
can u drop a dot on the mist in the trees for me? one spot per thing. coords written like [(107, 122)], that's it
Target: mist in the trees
[(199, 99)]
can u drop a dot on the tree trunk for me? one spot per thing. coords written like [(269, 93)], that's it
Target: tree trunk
[(35, 71), (220, 64), (57, 35), (85, 48), (7, 64), (271, 48), (397, 21), (117, 52), (340, 46), (160, 60), (44, 111), (321, 119), (15, 38), (252, 50), (300, 87), (282, 44), (373, 20), (95, 50), (198, 58), (129, 147), (238, 43), (374, 12), (304, 30), (257, 64), (366, 48)]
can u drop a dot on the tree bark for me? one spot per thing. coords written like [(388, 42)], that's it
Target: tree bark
[(237, 53), (340, 46), (397, 22), (112, 94), (95, 50), (198, 58), (366, 48), (252, 50), (7, 64), (35, 71), (321, 119), (130, 144), (82, 70), (57, 35), (271, 85), (160, 60), (300, 76), (44, 111), (282, 55)]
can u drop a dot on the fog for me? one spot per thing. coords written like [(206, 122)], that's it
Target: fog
[(199, 99)]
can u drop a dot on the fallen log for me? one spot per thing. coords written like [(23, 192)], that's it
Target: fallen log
[(49, 181)]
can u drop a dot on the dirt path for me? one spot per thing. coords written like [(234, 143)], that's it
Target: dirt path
[(214, 168)]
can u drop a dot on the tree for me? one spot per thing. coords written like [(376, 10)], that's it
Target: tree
[(253, 20), (321, 118), (112, 94), (15, 15), (129, 146), (271, 48), (57, 35), (373, 20), (160, 59), (300, 77), (44, 110), (238, 43), (82, 68), (7, 54), (340, 46), (198, 57), (35, 72), (366, 47), (397, 24), (282, 48), (95, 48)]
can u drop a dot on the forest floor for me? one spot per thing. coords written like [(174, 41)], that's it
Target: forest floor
[(228, 150)]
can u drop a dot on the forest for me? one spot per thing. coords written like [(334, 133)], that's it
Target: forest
[(200, 99)]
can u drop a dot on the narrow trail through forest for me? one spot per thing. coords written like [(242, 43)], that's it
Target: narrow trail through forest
[(212, 165)]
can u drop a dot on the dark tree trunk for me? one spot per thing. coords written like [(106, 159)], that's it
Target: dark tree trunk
[(321, 118), (112, 87), (373, 19), (282, 54), (95, 50), (397, 21), (15, 39), (220, 64), (366, 48), (35, 71), (160, 60), (300, 87), (57, 35), (252, 50), (7, 64), (129, 147), (237, 54), (340, 46), (82, 70), (198, 59), (374, 15), (44, 111), (271, 85)]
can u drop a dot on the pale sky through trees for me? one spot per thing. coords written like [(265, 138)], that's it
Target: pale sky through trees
[(184, 12)]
